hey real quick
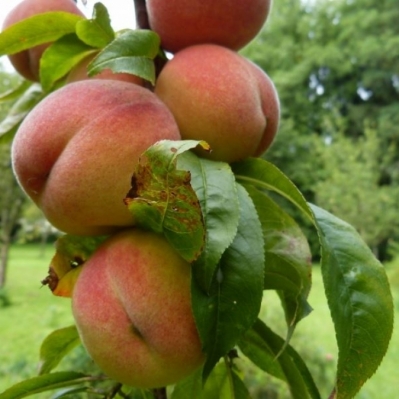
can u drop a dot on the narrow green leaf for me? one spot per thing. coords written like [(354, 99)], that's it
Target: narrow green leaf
[(38, 29), (237, 388), (162, 199), (15, 92), (140, 394), (288, 257), (213, 183), (360, 301), (96, 32), (233, 303), (263, 347), (191, 387), (63, 393), (131, 52), (43, 383), (60, 58), (19, 110), (55, 346), (263, 174), (222, 383)]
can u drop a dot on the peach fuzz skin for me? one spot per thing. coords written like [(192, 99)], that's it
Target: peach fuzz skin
[(229, 23), (132, 308), (76, 151), (218, 96), (27, 62)]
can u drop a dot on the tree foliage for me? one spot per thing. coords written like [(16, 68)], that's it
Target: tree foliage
[(336, 69), (11, 196)]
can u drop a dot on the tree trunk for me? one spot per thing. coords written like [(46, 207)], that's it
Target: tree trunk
[(9, 219), (4, 250)]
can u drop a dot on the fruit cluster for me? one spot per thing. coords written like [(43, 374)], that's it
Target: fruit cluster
[(76, 151)]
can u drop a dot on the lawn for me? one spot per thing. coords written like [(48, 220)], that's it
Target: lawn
[(34, 312)]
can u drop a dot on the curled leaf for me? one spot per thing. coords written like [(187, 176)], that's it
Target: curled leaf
[(66, 264)]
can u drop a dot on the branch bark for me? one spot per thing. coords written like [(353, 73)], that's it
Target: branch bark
[(141, 14)]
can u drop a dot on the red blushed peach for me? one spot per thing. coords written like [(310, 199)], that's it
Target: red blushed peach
[(75, 153), (132, 309), (218, 96), (27, 62), (229, 23)]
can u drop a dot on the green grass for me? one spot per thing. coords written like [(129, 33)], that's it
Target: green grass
[(34, 312)]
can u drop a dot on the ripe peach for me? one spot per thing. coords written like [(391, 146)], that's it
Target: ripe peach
[(27, 62), (132, 308), (79, 72), (230, 23), (75, 153), (218, 96)]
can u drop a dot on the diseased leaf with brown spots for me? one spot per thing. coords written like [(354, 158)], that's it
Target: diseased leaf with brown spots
[(162, 200), (66, 264)]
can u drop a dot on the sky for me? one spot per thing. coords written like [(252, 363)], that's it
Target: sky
[(120, 11)]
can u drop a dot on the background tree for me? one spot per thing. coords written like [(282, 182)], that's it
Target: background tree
[(336, 68), (351, 188), (11, 196)]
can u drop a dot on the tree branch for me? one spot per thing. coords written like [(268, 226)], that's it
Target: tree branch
[(142, 22), (141, 14)]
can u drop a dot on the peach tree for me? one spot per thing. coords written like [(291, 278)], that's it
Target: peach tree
[(173, 225)]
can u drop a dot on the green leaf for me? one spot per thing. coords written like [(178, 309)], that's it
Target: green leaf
[(162, 199), (38, 29), (263, 174), (234, 301), (55, 346), (288, 257), (96, 32), (131, 52), (191, 387), (222, 383), (68, 392), (33, 95), (263, 347), (360, 301), (15, 92), (43, 383), (140, 394), (213, 183), (59, 58)]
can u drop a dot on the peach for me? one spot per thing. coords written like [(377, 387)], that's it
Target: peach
[(183, 23), (218, 96), (75, 152), (27, 62), (132, 308), (79, 72)]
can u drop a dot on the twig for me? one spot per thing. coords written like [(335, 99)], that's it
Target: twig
[(142, 22), (160, 393), (141, 14), (115, 389)]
